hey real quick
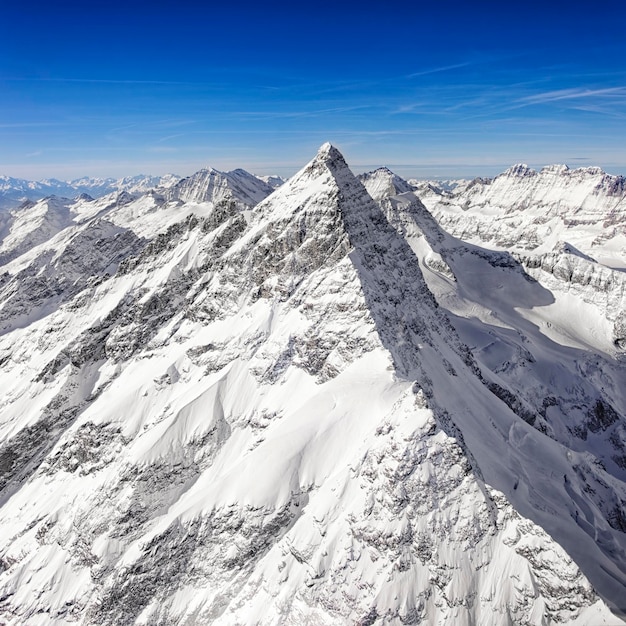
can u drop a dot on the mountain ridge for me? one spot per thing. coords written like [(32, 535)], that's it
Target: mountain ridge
[(276, 412)]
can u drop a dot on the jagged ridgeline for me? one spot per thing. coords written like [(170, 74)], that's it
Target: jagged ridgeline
[(333, 402)]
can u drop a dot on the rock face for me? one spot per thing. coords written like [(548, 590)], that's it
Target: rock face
[(301, 412)]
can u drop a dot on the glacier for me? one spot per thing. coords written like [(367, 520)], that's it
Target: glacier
[(336, 400)]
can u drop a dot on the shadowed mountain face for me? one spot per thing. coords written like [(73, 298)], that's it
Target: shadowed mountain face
[(323, 409)]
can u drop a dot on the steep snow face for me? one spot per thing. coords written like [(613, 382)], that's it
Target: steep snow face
[(588, 286), (55, 275), (214, 186), (382, 183), (529, 210), (33, 224), (265, 416)]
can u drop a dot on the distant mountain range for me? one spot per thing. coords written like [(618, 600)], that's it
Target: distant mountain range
[(14, 191)]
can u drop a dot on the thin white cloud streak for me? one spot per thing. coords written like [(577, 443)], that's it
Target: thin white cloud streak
[(590, 108), (323, 87), (151, 126), (170, 137), (570, 94), (491, 103), (436, 70)]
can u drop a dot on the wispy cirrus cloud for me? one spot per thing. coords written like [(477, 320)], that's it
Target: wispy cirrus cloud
[(437, 70), (491, 102), (601, 110), (575, 93), (170, 137)]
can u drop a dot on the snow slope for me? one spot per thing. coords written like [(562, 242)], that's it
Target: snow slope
[(292, 414), (32, 224)]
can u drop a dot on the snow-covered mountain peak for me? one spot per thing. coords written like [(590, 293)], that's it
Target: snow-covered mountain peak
[(594, 171), (331, 156), (556, 169), (519, 170), (276, 413), (321, 176), (564, 247), (211, 185), (312, 191), (326, 148), (383, 183)]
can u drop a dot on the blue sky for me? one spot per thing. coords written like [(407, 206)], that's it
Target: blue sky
[(443, 90)]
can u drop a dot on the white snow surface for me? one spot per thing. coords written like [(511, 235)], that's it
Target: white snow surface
[(227, 405)]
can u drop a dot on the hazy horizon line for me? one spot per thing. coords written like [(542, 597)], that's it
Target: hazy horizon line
[(420, 171)]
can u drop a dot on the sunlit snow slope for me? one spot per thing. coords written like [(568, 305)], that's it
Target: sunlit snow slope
[(321, 408)]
